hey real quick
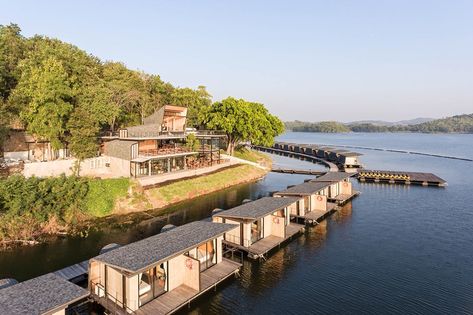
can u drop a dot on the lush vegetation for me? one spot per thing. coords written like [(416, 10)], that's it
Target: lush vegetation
[(324, 126), (33, 206), (242, 121), (103, 193), (60, 93), (454, 124)]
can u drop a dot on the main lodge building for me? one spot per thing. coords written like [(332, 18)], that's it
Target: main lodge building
[(158, 146)]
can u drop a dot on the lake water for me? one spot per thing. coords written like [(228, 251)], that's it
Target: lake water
[(395, 249)]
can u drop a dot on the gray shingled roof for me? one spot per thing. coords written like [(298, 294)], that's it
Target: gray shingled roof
[(258, 208), (40, 295), (143, 254), (333, 177), (307, 188)]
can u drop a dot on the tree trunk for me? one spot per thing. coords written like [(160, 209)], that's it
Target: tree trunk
[(78, 162), (229, 145)]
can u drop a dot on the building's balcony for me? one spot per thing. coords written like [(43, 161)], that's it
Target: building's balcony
[(166, 150)]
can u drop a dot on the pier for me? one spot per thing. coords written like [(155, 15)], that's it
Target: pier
[(399, 177), (302, 156), (297, 171)]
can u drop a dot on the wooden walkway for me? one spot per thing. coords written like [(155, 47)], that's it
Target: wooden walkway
[(331, 166), (172, 301), (75, 273), (295, 171)]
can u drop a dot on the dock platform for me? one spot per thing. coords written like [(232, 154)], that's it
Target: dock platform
[(262, 247), (314, 217), (342, 199), (400, 177), (311, 158), (297, 171)]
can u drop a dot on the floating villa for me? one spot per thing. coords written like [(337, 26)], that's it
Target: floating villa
[(349, 159), (340, 189), (162, 273), (48, 294), (312, 204), (262, 225)]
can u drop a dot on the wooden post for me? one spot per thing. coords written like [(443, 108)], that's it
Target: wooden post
[(149, 168)]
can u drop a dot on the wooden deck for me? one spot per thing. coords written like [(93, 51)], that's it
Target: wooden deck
[(344, 198), (263, 246), (172, 301), (315, 216)]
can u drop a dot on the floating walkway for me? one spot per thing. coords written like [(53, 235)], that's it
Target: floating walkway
[(402, 151), (398, 177), (331, 166), (297, 171)]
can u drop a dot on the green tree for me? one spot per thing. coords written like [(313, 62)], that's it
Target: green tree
[(242, 121), (12, 50), (194, 100), (83, 130), (192, 143), (49, 101), (125, 91)]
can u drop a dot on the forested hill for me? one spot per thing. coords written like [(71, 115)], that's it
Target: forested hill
[(454, 124), (58, 91)]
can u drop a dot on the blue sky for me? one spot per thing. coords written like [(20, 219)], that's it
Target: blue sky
[(314, 60)]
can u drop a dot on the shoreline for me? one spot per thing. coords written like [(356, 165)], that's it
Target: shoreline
[(140, 201), (166, 196)]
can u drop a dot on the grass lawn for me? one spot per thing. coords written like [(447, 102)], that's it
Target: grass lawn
[(194, 187), (103, 193), (252, 156)]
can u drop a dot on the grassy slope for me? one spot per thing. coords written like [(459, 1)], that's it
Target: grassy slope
[(253, 156), (103, 193), (186, 189)]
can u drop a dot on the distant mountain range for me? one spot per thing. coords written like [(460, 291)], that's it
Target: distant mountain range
[(414, 121), (454, 124)]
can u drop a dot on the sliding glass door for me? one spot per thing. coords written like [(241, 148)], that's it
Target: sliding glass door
[(152, 283)]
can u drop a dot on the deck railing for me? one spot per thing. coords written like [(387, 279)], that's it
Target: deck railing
[(167, 150), (110, 302), (237, 240)]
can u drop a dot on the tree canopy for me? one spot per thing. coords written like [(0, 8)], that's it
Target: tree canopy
[(242, 121), (44, 82)]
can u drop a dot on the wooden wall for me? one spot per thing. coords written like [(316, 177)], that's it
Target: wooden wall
[(132, 297), (346, 188), (319, 204), (175, 272), (277, 226), (115, 285), (191, 273)]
